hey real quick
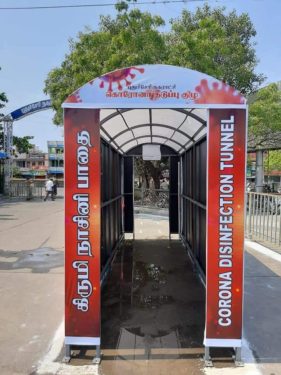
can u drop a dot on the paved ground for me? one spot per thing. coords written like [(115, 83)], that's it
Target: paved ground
[(32, 298), (31, 281)]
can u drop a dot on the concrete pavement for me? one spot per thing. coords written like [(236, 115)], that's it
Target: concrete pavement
[(262, 307), (31, 281)]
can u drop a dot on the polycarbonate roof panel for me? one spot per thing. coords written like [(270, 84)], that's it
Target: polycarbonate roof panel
[(158, 130), (200, 112), (180, 138), (106, 112), (167, 117), (200, 134), (130, 145), (190, 126), (144, 140), (158, 140), (104, 136), (114, 126), (136, 117), (173, 145), (124, 138), (144, 130), (174, 127)]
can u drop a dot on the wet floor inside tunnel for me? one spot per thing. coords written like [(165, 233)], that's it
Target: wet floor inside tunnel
[(153, 309)]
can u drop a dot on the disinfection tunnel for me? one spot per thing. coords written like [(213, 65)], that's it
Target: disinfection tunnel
[(152, 111)]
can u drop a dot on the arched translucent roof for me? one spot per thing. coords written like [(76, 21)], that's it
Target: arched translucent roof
[(177, 128), (160, 104)]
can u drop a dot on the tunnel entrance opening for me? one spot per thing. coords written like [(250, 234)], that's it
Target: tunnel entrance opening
[(151, 198), (200, 124)]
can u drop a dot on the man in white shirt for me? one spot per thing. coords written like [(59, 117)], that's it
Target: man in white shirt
[(49, 189)]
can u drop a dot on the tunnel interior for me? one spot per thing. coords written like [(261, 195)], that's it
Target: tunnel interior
[(153, 280), (181, 135)]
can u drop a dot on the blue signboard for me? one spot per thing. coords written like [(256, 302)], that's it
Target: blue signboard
[(30, 108)]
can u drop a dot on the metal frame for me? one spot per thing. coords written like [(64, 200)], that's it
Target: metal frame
[(237, 357), (8, 149), (8, 121), (193, 202), (146, 136), (111, 205), (68, 355), (151, 124)]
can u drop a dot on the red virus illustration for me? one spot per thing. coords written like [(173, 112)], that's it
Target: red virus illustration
[(74, 98), (224, 95), (118, 76)]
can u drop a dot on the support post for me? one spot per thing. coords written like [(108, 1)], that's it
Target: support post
[(250, 202), (8, 149), (238, 357), (207, 357), (259, 171), (97, 358), (67, 356)]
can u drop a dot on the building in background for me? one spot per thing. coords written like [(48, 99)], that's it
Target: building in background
[(33, 164), (56, 159), (271, 176)]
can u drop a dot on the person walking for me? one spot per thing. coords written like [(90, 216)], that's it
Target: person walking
[(49, 189), (55, 189)]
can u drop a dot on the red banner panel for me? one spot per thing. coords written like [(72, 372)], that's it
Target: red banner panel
[(225, 227), (82, 227)]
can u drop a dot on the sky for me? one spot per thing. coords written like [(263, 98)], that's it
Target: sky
[(33, 42)]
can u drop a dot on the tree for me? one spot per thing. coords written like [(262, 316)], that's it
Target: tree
[(22, 143), (129, 39), (272, 160), (265, 119), (264, 126), (216, 43), (146, 169), (210, 40)]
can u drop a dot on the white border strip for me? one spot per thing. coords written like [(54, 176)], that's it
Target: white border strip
[(263, 250), (74, 340), (165, 105), (218, 343)]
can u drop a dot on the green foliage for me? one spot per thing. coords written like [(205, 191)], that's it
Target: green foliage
[(273, 161), (216, 43), (122, 6), (22, 143), (16, 171), (210, 40), (265, 118), (130, 39)]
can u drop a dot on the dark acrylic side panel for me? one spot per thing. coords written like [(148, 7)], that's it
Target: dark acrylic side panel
[(128, 194)]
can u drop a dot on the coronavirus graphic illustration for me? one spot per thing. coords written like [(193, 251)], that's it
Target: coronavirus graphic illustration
[(74, 98), (218, 93), (118, 76)]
